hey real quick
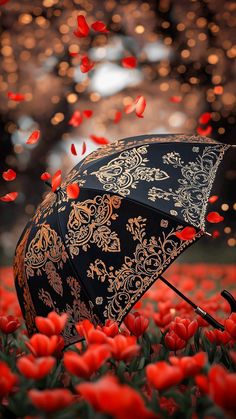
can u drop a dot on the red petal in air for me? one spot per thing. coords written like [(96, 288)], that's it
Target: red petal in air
[(2, 2), (213, 199), (17, 97), (188, 233), (175, 99), (56, 180), (129, 62), (214, 217), (9, 197), (83, 148), (99, 140), (34, 137), (204, 131), (73, 190), (118, 116), (204, 118), (88, 113), (99, 26), (86, 65), (129, 108), (74, 54), (140, 102), (9, 175), (76, 119), (215, 234), (83, 29), (73, 150), (45, 176)]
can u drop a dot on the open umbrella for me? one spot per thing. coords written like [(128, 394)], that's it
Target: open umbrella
[(95, 256)]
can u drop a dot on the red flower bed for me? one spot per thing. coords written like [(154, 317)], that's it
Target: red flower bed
[(163, 361)]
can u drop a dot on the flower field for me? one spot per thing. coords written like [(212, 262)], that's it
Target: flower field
[(163, 361)]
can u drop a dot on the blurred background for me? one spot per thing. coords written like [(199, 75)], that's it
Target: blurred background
[(186, 66)]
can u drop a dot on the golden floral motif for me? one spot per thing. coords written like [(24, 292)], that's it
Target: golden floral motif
[(195, 183), (89, 222), (45, 246), (126, 170), (137, 273)]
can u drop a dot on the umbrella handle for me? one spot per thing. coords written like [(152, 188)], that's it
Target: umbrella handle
[(231, 300)]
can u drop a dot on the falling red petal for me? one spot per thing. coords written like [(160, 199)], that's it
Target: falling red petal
[(9, 175), (74, 54), (73, 190), (2, 2), (99, 26), (73, 150), (140, 106), (213, 199), (88, 113), (34, 137), (56, 180), (99, 140), (129, 108), (9, 197), (129, 62), (86, 64), (204, 131), (175, 99), (215, 234), (83, 29), (83, 148), (214, 217), (45, 176), (188, 233), (17, 97), (204, 118), (118, 116), (76, 119)]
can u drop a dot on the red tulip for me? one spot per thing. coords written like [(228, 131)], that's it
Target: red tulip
[(51, 400), (53, 324), (136, 323), (7, 379), (9, 324), (162, 375), (173, 342), (9, 175), (221, 387), (89, 362), (230, 325), (35, 368), (218, 337), (86, 329), (41, 345), (119, 401), (162, 319), (184, 328), (110, 329), (123, 347), (83, 29), (190, 365)]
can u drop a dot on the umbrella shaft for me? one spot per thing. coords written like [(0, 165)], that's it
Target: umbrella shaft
[(197, 309)]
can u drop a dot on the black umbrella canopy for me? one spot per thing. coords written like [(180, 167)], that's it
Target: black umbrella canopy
[(95, 256)]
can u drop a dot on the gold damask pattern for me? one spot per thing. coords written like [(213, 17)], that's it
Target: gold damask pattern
[(47, 206), (126, 143), (195, 183), (45, 246), (128, 283), (76, 311), (89, 222), (21, 281), (126, 170)]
